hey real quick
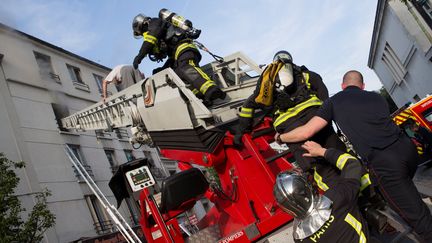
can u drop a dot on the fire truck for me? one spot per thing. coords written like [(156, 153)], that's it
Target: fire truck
[(162, 111), (421, 112)]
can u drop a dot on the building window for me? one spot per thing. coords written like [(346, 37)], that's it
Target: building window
[(101, 223), (129, 155), (110, 156), (60, 111), (394, 64), (133, 210), (75, 74), (424, 7), (99, 81), (77, 152), (45, 67)]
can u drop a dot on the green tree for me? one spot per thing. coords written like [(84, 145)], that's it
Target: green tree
[(12, 227), (392, 106)]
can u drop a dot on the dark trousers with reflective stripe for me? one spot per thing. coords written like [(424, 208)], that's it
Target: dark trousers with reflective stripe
[(326, 137), (191, 73), (392, 169)]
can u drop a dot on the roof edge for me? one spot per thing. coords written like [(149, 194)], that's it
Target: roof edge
[(54, 47), (381, 5)]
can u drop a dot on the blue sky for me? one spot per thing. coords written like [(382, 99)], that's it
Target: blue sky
[(330, 37)]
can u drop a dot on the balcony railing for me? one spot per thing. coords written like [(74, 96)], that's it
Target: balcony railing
[(81, 86), (121, 133), (157, 173), (54, 76), (103, 227), (102, 134), (114, 168), (87, 168)]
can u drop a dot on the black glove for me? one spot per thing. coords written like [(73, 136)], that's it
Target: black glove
[(284, 101), (238, 143), (136, 62), (156, 70)]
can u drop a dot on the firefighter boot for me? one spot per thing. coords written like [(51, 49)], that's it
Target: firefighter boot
[(213, 93), (243, 126)]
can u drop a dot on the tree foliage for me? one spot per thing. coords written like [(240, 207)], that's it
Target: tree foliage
[(12, 227), (392, 106)]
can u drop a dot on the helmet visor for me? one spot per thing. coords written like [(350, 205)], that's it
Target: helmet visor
[(283, 56)]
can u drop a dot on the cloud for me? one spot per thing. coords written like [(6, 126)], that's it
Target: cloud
[(328, 38), (63, 23)]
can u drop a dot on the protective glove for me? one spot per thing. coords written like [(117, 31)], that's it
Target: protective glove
[(156, 70), (284, 101), (136, 62)]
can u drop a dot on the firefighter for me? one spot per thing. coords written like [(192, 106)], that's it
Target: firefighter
[(294, 94), (390, 156), (172, 36), (331, 217)]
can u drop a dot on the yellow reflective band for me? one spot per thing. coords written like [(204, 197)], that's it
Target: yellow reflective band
[(306, 78), (318, 180), (419, 150), (357, 227), (294, 111), (199, 70), (149, 38), (244, 109), (246, 112), (405, 114), (206, 85), (181, 48), (342, 159), (365, 181), (245, 115), (195, 91)]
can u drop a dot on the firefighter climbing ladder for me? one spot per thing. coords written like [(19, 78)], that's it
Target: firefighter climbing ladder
[(115, 215)]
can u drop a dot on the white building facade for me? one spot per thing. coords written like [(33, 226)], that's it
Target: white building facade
[(39, 84), (401, 49)]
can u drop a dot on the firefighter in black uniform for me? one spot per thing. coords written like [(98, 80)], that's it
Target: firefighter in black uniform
[(389, 154), (331, 217), (172, 36), (295, 94)]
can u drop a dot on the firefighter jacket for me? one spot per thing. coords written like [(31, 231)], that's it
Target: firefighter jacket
[(346, 223), (162, 39), (307, 90)]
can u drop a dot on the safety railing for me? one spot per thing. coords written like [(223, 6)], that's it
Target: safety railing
[(104, 227)]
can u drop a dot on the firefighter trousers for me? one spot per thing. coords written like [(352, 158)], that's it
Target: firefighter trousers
[(392, 170), (326, 137), (188, 70)]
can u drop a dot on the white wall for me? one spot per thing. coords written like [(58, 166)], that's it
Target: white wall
[(29, 132)]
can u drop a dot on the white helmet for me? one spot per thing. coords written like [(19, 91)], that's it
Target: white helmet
[(285, 74), (283, 56)]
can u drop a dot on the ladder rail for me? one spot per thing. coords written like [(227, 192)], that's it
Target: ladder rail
[(115, 215)]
